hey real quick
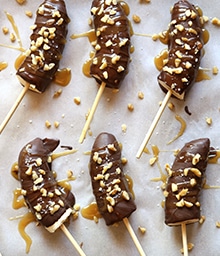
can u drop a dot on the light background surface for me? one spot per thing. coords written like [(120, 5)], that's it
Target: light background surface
[(28, 122)]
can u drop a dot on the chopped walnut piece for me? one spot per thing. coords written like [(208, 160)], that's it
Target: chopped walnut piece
[(21, 1), (216, 21), (76, 207), (155, 37), (202, 219), (142, 229), (124, 160), (174, 187), (136, 18), (171, 106), (57, 93), (124, 128), (5, 30), (196, 159), (47, 124), (130, 107), (214, 70), (12, 37), (77, 100), (217, 224), (141, 95), (208, 120), (145, 1), (56, 124), (29, 14)]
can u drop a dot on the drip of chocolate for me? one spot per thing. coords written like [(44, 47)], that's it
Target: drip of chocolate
[(185, 182), (47, 44), (110, 187), (50, 203)]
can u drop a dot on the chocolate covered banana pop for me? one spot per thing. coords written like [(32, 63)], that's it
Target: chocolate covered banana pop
[(185, 50), (47, 43), (110, 187), (185, 45), (42, 59), (48, 201), (187, 174), (109, 183), (112, 49)]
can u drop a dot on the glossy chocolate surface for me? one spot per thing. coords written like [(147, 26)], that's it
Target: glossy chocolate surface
[(47, 44), (185, 183), (185, 46), (109, 183), (113, 43), (46, 199)]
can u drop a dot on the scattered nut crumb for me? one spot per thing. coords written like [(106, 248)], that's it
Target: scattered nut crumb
[(217, 224), (124, 160), (90, 133), (56, 124), (12, 37), (5, 30), (141, 95), (29, 14), (202, 219), (130, 107), (21, 1), (205, 18), (171, 106), (136, 18), (155, 37), (124, 128), (77, 100), (144, 1), (57, 93), (215, 21), (142, 229), (214, 70), (76, 207), (47, 124), (190, 247), (209, 120)]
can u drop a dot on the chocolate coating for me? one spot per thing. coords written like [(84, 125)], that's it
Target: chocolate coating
[(109, 183), (185, 49), (43, 194), (184, 184), (47, 44), (113, 43)]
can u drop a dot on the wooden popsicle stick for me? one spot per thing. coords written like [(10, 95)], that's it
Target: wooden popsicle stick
[(92, 112), (134, 237), (184, 239), (14, 107), (72, 240), (154, 124)]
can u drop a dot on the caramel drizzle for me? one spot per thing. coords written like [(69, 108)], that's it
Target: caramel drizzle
[(182, 128), (16, 31)]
